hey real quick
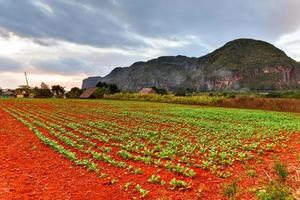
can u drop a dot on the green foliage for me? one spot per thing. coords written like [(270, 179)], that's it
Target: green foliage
[(104, 88), (42, 92), (275, 191), (100, 92), (58, 90), (179, 184), (74, 93), (156, 179), (181, 91), (281, 171), (170, 98), (114, 181), (246, 53), (138, 171), (252, 172), (125, 154), (142, 191), (160, 91), (113, 88), (127, 185), (230, 190)]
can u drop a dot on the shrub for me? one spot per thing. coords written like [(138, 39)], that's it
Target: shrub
[(42, 93), (160, 90), (99, 93), (74, 93)]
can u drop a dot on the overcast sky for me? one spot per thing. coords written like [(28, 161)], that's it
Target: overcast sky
[(64, 41)]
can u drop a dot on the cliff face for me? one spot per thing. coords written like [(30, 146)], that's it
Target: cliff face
[(242, 63)]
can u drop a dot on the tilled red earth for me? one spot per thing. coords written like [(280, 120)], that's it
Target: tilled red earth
[(30, 170)]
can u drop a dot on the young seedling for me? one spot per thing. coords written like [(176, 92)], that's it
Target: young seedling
[(127, 185), (179, 184), (142, 191), (114, 181), (154, 179)]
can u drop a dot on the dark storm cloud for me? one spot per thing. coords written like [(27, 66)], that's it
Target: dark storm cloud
[(64, 20), (109, 23)]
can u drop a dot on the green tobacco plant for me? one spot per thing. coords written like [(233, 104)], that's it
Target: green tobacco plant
[(179, 184), (142, 191)]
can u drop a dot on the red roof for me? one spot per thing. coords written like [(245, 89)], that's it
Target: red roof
[(88, 93)]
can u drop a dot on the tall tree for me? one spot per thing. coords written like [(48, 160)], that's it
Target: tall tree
[(43, 92), (74, 93), (58, 90)]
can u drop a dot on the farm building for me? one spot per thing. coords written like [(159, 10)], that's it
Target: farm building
[(147, 91), (6, 93), (88, 93)]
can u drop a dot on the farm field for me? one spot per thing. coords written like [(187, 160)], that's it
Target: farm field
[(108, 149)]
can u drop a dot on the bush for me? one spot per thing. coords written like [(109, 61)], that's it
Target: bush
[(100, 92), (104, 88), (160, 90), (42, 93), (74, 93), (58, 90), (183, 92)]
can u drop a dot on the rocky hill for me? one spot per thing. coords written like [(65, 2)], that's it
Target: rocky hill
[(242, 63)]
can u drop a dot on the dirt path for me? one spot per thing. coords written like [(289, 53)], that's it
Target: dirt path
[(30, 170)]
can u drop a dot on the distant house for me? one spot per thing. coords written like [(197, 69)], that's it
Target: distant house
[(6, 93), (88, 93), (147, 91)]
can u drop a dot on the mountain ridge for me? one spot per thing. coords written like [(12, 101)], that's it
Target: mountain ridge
[(241, 63)]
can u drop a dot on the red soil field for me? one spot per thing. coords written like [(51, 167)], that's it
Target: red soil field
[(31, 170)]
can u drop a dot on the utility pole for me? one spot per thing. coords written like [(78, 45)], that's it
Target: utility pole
[(26, 79)]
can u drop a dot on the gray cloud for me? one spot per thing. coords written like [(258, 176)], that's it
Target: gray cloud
[(115, 33), (108, 23), (73, 22), (9, 65), (63, 66)]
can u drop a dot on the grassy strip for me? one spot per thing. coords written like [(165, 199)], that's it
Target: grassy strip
[(170, 98)]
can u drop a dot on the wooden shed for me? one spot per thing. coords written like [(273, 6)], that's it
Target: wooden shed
[(88, 93), (147, 91)]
